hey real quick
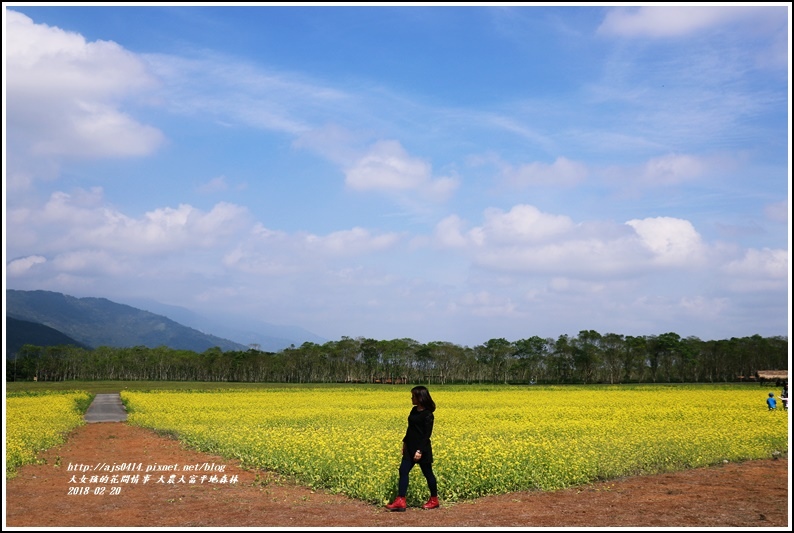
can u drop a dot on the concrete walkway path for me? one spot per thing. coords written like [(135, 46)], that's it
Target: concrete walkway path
[(106, 408)]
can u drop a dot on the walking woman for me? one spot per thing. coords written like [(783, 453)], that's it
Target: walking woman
[(417, 449)]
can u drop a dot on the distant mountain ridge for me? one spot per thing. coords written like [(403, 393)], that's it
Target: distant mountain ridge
[(98, 322), (22, 332), (245, 329)]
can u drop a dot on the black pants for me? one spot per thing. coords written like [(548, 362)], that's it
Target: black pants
[(427, 469)]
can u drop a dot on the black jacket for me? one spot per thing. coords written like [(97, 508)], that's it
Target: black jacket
[(417, 436)]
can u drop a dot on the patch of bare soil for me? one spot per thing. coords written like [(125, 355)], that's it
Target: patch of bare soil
[(748, 494)]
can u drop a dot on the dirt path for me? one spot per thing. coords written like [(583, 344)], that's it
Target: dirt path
[(750, 494)]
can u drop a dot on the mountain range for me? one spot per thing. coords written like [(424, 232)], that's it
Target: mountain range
[(94, 322), (245, 329), (21, 332)]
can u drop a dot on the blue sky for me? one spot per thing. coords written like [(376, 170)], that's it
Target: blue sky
[(441, 173)]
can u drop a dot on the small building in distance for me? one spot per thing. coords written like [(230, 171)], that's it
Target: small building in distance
[(778, 376)]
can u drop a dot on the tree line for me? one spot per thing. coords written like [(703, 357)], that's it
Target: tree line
[(589, 357)]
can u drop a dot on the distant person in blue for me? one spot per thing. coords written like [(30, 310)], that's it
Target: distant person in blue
[(770, 402)]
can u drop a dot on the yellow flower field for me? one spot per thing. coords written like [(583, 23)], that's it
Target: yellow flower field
[(487, 440), (38, 421)]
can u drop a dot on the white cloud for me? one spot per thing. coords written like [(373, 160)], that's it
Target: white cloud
[(95, 130), (673, 241), (332, 141), (523, 223), (574, 257), (216, 184), (562, 173), (350, 242), (276, 253), (527, 240), (675, 21), (766, 263), (166, 230), (449, 232), (19, 267), (672, 169), (668, 170), (64, 95), (69, 221), (663, 171), (388, 167), (40, 55), (91, 263)]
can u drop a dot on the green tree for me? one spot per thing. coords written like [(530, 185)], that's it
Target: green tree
[(613, 346), (587, 355), (531, 354)]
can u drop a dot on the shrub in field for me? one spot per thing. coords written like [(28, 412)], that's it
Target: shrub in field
[(487, 440), (40, 420)]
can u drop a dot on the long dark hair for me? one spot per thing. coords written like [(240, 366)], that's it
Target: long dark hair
[(423, 398)]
